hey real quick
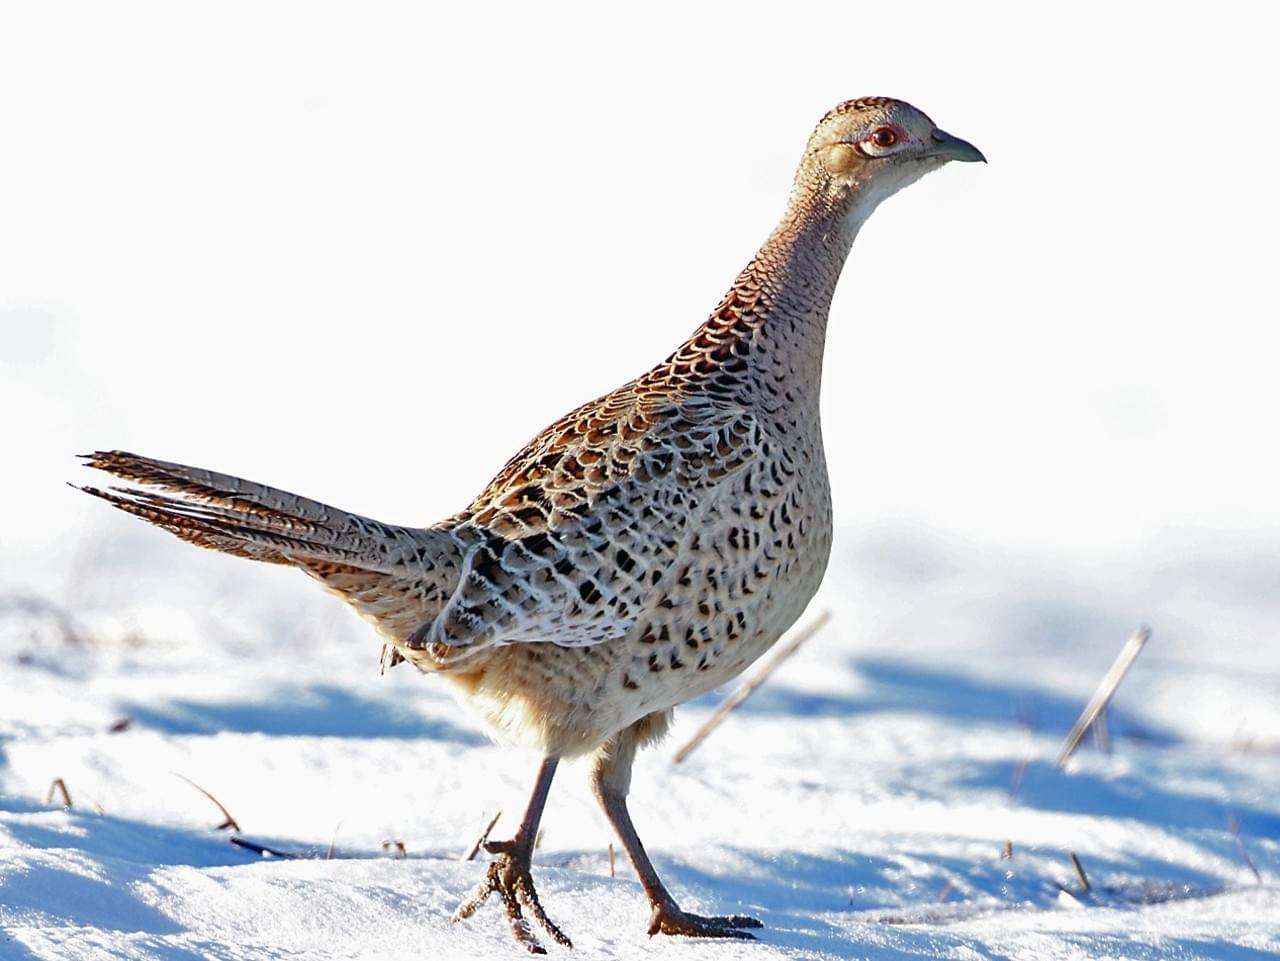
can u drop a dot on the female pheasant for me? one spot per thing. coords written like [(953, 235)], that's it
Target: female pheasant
[(640, 551)]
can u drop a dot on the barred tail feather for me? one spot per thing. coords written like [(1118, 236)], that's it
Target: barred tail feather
[(394, 576), (243, 518)]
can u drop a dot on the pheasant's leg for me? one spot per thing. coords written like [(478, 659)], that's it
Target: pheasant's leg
[(611, 780), (508, 876)]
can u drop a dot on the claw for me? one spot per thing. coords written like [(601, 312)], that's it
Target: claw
[(509, 878), (669, 919)]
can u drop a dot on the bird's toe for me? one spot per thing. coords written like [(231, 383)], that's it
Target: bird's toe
[(509, 878), (669, 919)]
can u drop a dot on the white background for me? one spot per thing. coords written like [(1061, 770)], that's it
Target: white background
[(364, 252)]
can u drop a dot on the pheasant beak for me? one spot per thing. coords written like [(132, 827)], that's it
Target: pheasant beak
[(953, 148)]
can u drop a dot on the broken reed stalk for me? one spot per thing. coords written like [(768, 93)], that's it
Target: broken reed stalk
[(1101, 733), (747, 688), (1102, 696), (1075, 863), (60, 786), (257, 848), (472, 851), (228, 821)]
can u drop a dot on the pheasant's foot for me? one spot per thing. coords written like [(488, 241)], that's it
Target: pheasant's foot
[(509, 878), (669, 919)]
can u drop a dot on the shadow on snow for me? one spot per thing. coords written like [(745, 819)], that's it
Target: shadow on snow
[(318, 711), (896, 687)]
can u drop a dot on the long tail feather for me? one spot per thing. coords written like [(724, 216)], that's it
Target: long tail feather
[(394, 576), (262, 540), (206, 499)]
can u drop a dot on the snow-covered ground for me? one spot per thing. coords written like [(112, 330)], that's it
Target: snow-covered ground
[(890, 793)]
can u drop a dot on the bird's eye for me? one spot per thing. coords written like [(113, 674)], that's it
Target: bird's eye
[(884, 137)]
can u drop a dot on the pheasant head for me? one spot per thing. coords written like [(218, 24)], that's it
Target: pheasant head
[(866, 150)]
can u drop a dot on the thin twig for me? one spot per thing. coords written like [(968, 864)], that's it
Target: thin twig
[(612, 873), (1084, 880), (1020, 768), (37, 605), (60, 786), (333, 841), (747, 688), (1233, 824), (262, 849), (1007, 853), (1106, 690), (228, 821), (946, 890), (1245, 746), (472, 851), (1015, 779)]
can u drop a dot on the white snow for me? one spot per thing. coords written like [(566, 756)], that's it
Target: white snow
[(860, 804)]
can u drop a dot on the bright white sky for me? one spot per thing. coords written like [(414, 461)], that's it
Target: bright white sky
[(364, 252)]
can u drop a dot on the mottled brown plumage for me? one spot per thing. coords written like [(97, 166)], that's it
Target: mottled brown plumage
[(641, 550)]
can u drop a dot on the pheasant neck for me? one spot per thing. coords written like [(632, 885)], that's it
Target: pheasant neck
[(762, 346)]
